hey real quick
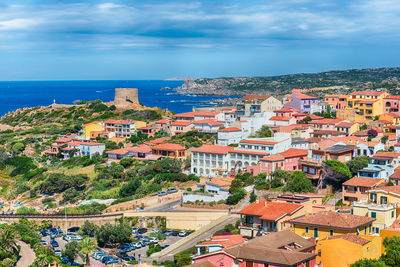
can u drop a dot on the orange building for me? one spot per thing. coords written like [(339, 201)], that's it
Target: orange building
[(356, 188), (169, 150)]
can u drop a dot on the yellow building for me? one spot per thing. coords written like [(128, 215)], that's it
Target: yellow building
[(329, 223), (343, 250), (89, 127), (363, 106), (392, 117), (380, 205), (251, 104)]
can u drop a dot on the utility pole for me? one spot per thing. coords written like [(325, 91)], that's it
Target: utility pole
[(66, 220)]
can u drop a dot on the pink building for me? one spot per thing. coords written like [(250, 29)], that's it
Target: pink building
[(325, 124), (391, 104), (281, 249), (285, 112)]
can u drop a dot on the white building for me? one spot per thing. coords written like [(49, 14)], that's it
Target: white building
[(282, 121), (231, 135), (272, 145), (207, 125), (91, 148)]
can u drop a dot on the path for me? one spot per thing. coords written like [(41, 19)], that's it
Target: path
[(27, 255), (332, 200), (200, 235)]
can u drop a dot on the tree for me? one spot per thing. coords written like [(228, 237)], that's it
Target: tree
[(276, 182), (130, 188), (44, 256), (71, 250), (392, 251), (8, 237), (88, 229), (299, 182), (85, 248), (384, 139), (369, 263), (253, 197), (372, 133), (283, 175), (336, 172), (112, 235), (234, 198), (363, 127), (306, 120), (357, 164), (264, 132)]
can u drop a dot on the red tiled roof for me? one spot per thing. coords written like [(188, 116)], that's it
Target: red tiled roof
[(286, 109), (395, 189), (209, 122), (333, 219), (294, 152), (157, 141), (223, 240), (214, 149), (249, 152), (387, 154), (366, 93), (205, 114), (64, 140), (352, 238), (393, 97), (119, 121), (303, 96), (270, 210), (118, 151), (168, 146), (362, 181), (145, 128), (253, 141), (91, 144), (181, 123), (89, 123), (163, 121), (255, 97), (315, 117), (273, 158), (345, 124), (326, 121), (230, 129), (280, 118)]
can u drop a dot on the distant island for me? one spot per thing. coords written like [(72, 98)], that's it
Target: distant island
[(371, 78)]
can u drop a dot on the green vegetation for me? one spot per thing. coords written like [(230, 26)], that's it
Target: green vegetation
[(336, 172), (298, 183), (192, 138), (356, 164), (264, 132), (27, 210), (112, 235)]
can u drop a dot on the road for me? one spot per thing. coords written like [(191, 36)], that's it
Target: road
[(170, 206), (27, 255), (193, 241)]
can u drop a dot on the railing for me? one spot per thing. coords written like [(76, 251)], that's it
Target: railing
[(58, 216)]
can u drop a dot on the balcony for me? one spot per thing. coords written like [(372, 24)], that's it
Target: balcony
[(365, 203)]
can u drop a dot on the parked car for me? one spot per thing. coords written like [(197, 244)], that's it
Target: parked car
[(183, 233), (172, 190), (138, 245), (54, 243), (112, 260), (175, 233), (141, 230), (126, 257), (162, 193), (58, 252), (43, 233), (164, 246), (56, 234), (168, 233), (73, 229), (44, 243)]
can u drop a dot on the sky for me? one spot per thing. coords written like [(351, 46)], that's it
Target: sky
[(128, 40)]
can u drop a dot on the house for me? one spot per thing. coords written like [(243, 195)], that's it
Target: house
[(296, 130), (303, 103), (380, 165), (327, 134), (271, 145), (199, 115), (230, 135), (395, 177), (392, 117), (169, 150), (356, 188), (218, 242), (148, 130), (181, 126), (58, 145), (122, 128), (368, 149), (363, 106), (282, 121), (218, 185), (138, 152), (286, 112), (391, 104), (91, 148), (287, 161), (347, 127), (103, 134), (213, 159), (336, 101), (265, 216), (251, 104), (343, 250), (281, 249), (162, 125), (207, 125), (329, 223), (90, 127), (326, 124)]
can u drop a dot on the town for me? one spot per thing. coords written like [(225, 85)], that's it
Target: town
[(276, 180)]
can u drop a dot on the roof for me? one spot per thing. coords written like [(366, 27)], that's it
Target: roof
[(168, 146), (90, 123), (202, 264), (303, 96), (184, 115), (209, 122), (393, 97), (363, 181), (361, 133), (157, 141), (268, 210), (329, 132), (255, 97), (366, 93), (348, 140), (280, 118), (345, 124), (223, 240), (163, 121), (273, 158), (294, 152), (220, 181), (351, 238), (333, 219), (262, 141), (395, 189), (119, 121), (286, 109), (326, 121), (339, 148), (395, 175), (64, 140), (213, 149), (230, 129), (383, 154), (180, 123)]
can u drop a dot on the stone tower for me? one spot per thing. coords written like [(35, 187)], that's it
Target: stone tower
[(126, 98)]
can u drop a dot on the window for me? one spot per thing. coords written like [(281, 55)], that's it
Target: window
[(331, 232), (383, 200), (306, 229), (373, 214), (392, 213), (315, 232)]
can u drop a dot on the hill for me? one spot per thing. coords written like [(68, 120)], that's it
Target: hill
[(354, 78)]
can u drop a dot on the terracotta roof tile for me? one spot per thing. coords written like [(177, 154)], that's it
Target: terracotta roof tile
[(362, 181), (214, 149), (168, 146), (230, 129), (280, 118), (209, 122), (271, 211), (181, 123), (255, 97), (294, 152), (273, 158), (352, 238), (333, 219)]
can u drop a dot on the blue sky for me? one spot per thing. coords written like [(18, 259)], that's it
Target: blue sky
[(53, 40)]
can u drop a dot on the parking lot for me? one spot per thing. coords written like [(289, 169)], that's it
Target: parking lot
[(138, 252)]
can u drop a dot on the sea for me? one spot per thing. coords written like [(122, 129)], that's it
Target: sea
[(19, 94)]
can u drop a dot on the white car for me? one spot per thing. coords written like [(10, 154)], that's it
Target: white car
[(153, 240)]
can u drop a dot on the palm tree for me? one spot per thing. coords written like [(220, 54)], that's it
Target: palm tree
[(8, 237), (44, 256), (85, 247)]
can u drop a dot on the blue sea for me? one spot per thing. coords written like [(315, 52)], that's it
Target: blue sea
[(14, 95)]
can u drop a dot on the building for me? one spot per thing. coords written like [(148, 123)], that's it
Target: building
[(282, 121), (271, 145), (200, 115), (218, 242), (303, 103), (122, 128), (391, 104), (138, 152), (162, 125), (381, 166), (343, 250), (329, 223), (281, 249), (230, 135), (90, 127), (356, 188), (347, 127), (326, 124), (251, 104), (266, 216), (181, 126), (207, 126), (91, 148), (336, 101), (169, 150)]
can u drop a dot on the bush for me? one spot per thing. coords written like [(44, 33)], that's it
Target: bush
[(27, 210), (130, 188), (299, 183), (21, 165), (57, 183), (234, 198)]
